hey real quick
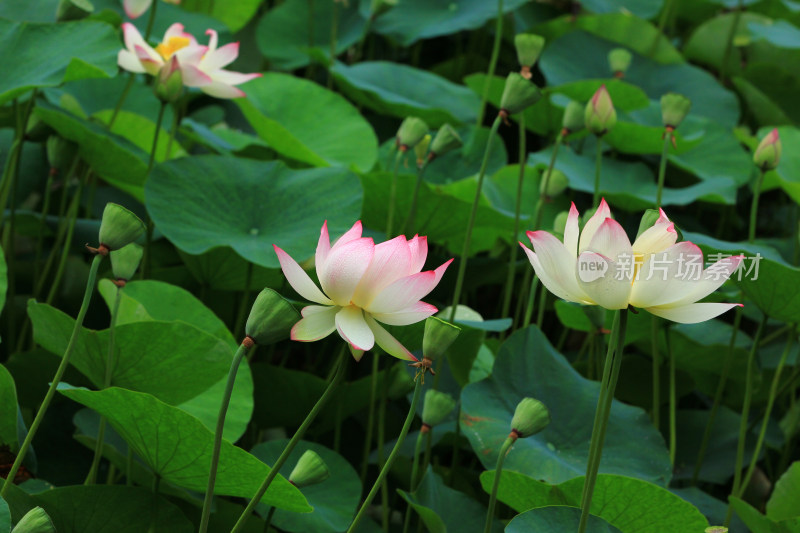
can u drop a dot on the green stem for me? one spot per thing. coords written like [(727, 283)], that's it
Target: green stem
[(23, 449), (412, 212), (98, 448), (498, 37), (662, 167), (751, 234), (748, 396), (146, 260), (526, 319), (673, 402), (122, 97), (381, 459), (462, 265), (598, 165), (498, 471), (337, 378), (412, 484), (542, 305), (723, 68), (244, 303), (512, 258), (616, 347), (373, 389), (150, 21), (393, 194), (334, 32), (40, 230), (72, 220), (241, 351), (656, 372), (270, 514), (773, 390), (392, 456)]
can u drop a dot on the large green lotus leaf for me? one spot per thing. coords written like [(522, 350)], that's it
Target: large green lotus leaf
[(174, 361), (401, 90), (443, 509), (335, 500), (707, 43), (5, 517), (580, 55), (3, 279), (282, 33), (202, 202), (782, 505), (177, 446), (700, 348), (8, 409), (29, 10), (759, 523), (113, 158), (527, 365), (645, 9), (556, 519), (224, 269), (412, 20), (104, 509), (40, 57), (306, 122), (630, 185), (442, 213), (631, 505), (140, 130), (235, 15), (764, 109)]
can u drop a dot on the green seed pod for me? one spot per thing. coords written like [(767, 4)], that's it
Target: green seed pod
[(446, 140), (619, 59), (35, 521), (600, 115), (168, 84), (529, 47), (271, 318), (438, 337), (674, 108), (573, 117), (309, 470), (60, 152), (125, 261), (768, 154), (436, 407), (119, 227), (421, 149), (411, 131), (553, 183), (560, 222), (530, 417), (518, 94)]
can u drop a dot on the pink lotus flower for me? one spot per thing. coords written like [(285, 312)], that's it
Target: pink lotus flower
[(211, 78), (135, 8), (363, 284), (600, 266)]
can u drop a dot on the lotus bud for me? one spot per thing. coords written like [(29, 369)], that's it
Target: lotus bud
[(125, 261), (768, 154), (438, 337), (573, 118), (553, 183), (446, 140), (619, 59), (271, 318), (674, 108), (119, 227), (35, 521), (529, 47), (309, 470), (168, 84), (437, 406), (421, 149), (560, 222), (530, 417), (518, 94), (73, 10), (60, 152), (411, 131), (600, 115)]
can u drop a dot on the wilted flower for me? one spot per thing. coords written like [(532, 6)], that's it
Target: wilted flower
[(135, 8), (600, 266), (363, 284)]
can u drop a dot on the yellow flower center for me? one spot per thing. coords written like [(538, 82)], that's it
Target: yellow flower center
[(638, 261), (171, 46)]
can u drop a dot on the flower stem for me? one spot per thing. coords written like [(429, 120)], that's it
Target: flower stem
[(245, 303), (598, 165), (146, 260), (412, 485), (748, 396), (662, 167), (98, 448), (723, 68), (392, 456), (616, 346), (512, 258), (332, 386), (673, 402), (751, 234), (498, 37), (122, 97), (498, 471), (409, 225), (654, 329), (393, 194), (241, 351), (382, 460), (150, 21), (462, 264), (23, 449), (72, 215), (373, 389)]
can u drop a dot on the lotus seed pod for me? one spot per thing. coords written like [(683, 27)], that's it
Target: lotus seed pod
[(518, 94), (271, 318), (125, 261), (674, 108), (437, 406), (560, 222), (309, 470), (119, 227), (446, 140), (411, 131), (600, 115), (530, 417), (619, 59), (768, 154), (529, 47), (35, 521), (573, 117), (438, 337), (553, 183), (421, 149)]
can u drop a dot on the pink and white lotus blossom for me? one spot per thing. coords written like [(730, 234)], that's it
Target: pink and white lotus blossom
[(363, 284), (211, 78), (135, 8), (600, 266)]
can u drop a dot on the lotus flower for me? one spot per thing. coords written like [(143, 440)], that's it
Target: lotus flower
[(211, 78), (135, 8), (363, 284), (600, 266)]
